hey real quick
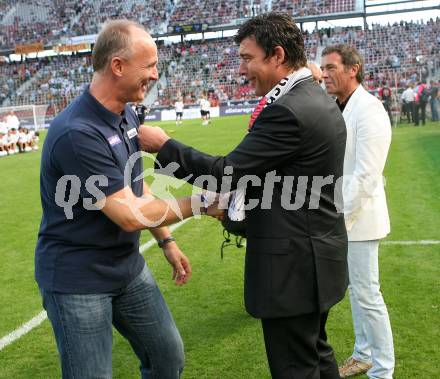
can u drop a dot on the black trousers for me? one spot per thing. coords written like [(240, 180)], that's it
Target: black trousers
[(420, 112), (408, 109), (297, 347), (387, 107)]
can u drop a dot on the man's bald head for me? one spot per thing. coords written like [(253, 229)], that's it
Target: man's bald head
[(116, 39)]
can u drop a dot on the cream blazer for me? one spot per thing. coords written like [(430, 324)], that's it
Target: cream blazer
[(368, 142)]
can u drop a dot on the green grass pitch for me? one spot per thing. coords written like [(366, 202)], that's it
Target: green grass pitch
[(221, 340)]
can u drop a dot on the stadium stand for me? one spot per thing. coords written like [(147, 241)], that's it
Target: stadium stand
[(211, 12), (201, 66), (394, 54), (36, 21), (212, 67), (153, 14), (13, 75), (313, 7), (48, 21), (54, 81), (58, 81), (391, 55)]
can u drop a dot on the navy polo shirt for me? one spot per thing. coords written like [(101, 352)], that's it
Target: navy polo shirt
[(81, 250)]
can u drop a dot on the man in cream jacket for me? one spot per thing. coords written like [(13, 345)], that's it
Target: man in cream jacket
[(365, 210)]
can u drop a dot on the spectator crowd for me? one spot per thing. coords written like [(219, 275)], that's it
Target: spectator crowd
[(397, 56)]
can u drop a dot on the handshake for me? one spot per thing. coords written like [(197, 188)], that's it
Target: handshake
[(234, 219), (214, 204), (152, 138)]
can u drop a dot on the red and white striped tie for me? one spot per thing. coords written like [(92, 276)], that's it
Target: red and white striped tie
[(258, 109)]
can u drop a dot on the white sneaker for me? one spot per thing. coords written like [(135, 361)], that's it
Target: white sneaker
[(35, 148), (27, 149), (352, 367)]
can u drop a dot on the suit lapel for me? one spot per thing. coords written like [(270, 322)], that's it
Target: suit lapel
[(357, 94)]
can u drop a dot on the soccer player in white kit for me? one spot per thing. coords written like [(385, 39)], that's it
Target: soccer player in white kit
[(178, 106), (204, 109)]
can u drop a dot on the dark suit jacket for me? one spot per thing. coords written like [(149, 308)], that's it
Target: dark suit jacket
[(296, 260)]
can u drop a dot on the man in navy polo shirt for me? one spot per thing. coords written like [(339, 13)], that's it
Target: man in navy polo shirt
[(87, 263)]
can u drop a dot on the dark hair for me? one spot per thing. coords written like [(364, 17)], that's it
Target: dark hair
[(349, 57), (113, 40), (276, 29)]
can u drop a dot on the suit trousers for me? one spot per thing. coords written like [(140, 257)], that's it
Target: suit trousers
[(372, 328), (420, 112), (297, 347)]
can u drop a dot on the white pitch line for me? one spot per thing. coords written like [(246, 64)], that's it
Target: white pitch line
[(22, 330), (38, 319), (421, 242)]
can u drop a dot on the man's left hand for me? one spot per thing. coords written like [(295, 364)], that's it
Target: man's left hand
[(181, 267), (151, 138)]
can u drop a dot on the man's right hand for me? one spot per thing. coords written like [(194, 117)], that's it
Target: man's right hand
[(217, 205), (214, 211)]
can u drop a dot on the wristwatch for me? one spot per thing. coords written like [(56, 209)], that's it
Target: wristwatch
[(166, 240)]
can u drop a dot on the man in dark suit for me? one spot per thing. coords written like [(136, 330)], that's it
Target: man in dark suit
[(296, 267)]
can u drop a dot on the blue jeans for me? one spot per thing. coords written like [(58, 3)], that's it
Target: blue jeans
[(82, 324), (372, 328), (434, 110)]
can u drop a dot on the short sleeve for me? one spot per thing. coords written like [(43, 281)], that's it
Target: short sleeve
[(86, 155)]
